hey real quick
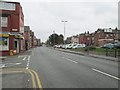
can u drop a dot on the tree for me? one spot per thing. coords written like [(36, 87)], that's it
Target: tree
[(61, 39), (55, 39)]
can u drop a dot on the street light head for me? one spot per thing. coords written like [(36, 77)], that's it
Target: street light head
[(64, 21)]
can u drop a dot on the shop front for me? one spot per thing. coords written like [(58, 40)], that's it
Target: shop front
[(4, 44), (10, 44)]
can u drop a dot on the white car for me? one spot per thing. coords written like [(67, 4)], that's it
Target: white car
[(79, 46)]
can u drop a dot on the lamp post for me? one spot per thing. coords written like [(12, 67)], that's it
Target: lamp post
[(64, 21)]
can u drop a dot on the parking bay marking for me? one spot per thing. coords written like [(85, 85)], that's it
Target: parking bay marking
[(105, 74)]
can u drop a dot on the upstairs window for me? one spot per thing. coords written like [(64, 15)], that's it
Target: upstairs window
[(7, 6), (4, 21)]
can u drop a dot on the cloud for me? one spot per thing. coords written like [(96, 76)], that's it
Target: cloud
[(45, 17)]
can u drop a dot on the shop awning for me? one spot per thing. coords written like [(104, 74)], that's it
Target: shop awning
[(4, 35), (19, 37)]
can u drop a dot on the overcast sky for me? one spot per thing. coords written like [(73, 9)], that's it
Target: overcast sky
[(45, 17)]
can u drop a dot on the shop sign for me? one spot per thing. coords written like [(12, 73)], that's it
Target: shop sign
[(5, 35), (14, 29)]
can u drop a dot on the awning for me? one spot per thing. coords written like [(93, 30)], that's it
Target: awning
[(19, 37), (4, 35)]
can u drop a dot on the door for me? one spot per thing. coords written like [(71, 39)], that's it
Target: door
[(16, 45)]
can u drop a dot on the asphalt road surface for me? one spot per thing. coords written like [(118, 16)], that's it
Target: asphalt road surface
[(55, 69)]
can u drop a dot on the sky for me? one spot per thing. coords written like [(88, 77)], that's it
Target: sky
[(44, 17)]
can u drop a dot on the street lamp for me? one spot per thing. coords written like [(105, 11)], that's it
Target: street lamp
[(64, 21)]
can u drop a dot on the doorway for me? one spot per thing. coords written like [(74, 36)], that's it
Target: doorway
[(16, 45)]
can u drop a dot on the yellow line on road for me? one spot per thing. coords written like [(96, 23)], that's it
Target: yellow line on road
[(33, 79), (38, 80), (33, 74)]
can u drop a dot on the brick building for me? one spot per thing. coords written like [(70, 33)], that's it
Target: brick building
[(86, 38), (12, 27), (27, 37), (75, 39), (103, 36)]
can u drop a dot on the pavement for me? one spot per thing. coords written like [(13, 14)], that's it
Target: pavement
[(51, 68), (91, 55)]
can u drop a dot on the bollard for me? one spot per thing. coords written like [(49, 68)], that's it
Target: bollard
[(11, 52)]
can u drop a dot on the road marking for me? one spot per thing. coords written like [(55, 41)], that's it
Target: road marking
[(17, 63), (70, 60), (106, 74), (38, 80), (9, 64), (33, 79), (28, 62), (34, 76), (28, 57), (2, 65), (24, 57), (20, 71), (21, 56)]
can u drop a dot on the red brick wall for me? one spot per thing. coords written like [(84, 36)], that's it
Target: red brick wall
[(83, 39)]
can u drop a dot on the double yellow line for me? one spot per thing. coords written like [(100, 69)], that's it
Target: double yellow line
[(34, 75)]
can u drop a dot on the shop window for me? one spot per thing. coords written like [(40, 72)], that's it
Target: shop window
[(4, 43)]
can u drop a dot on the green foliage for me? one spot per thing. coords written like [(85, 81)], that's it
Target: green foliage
[(90, 48), (55, 39)]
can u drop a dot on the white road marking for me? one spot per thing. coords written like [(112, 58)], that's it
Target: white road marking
[(9, 65), (26, 67), (106, 74), (17, 63), (28, 62), (2, 65), (70, 60), (21, 56), (28, 57), (24, 57)]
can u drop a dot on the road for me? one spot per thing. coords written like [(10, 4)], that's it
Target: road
[(56, 69)]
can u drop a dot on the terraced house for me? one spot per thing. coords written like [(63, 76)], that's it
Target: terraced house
[(12, 28)]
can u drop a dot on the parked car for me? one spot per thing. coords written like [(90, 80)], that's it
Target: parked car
[(109, 46), (78, 46), (117, 45)]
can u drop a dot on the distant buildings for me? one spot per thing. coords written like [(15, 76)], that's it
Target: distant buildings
[(14, 37), (75, 39), (98, 38), (68, 40), (103, 36)]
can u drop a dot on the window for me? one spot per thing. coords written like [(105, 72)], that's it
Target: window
[(4, 43), (7, 6), (107, 35), (4, 21)]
